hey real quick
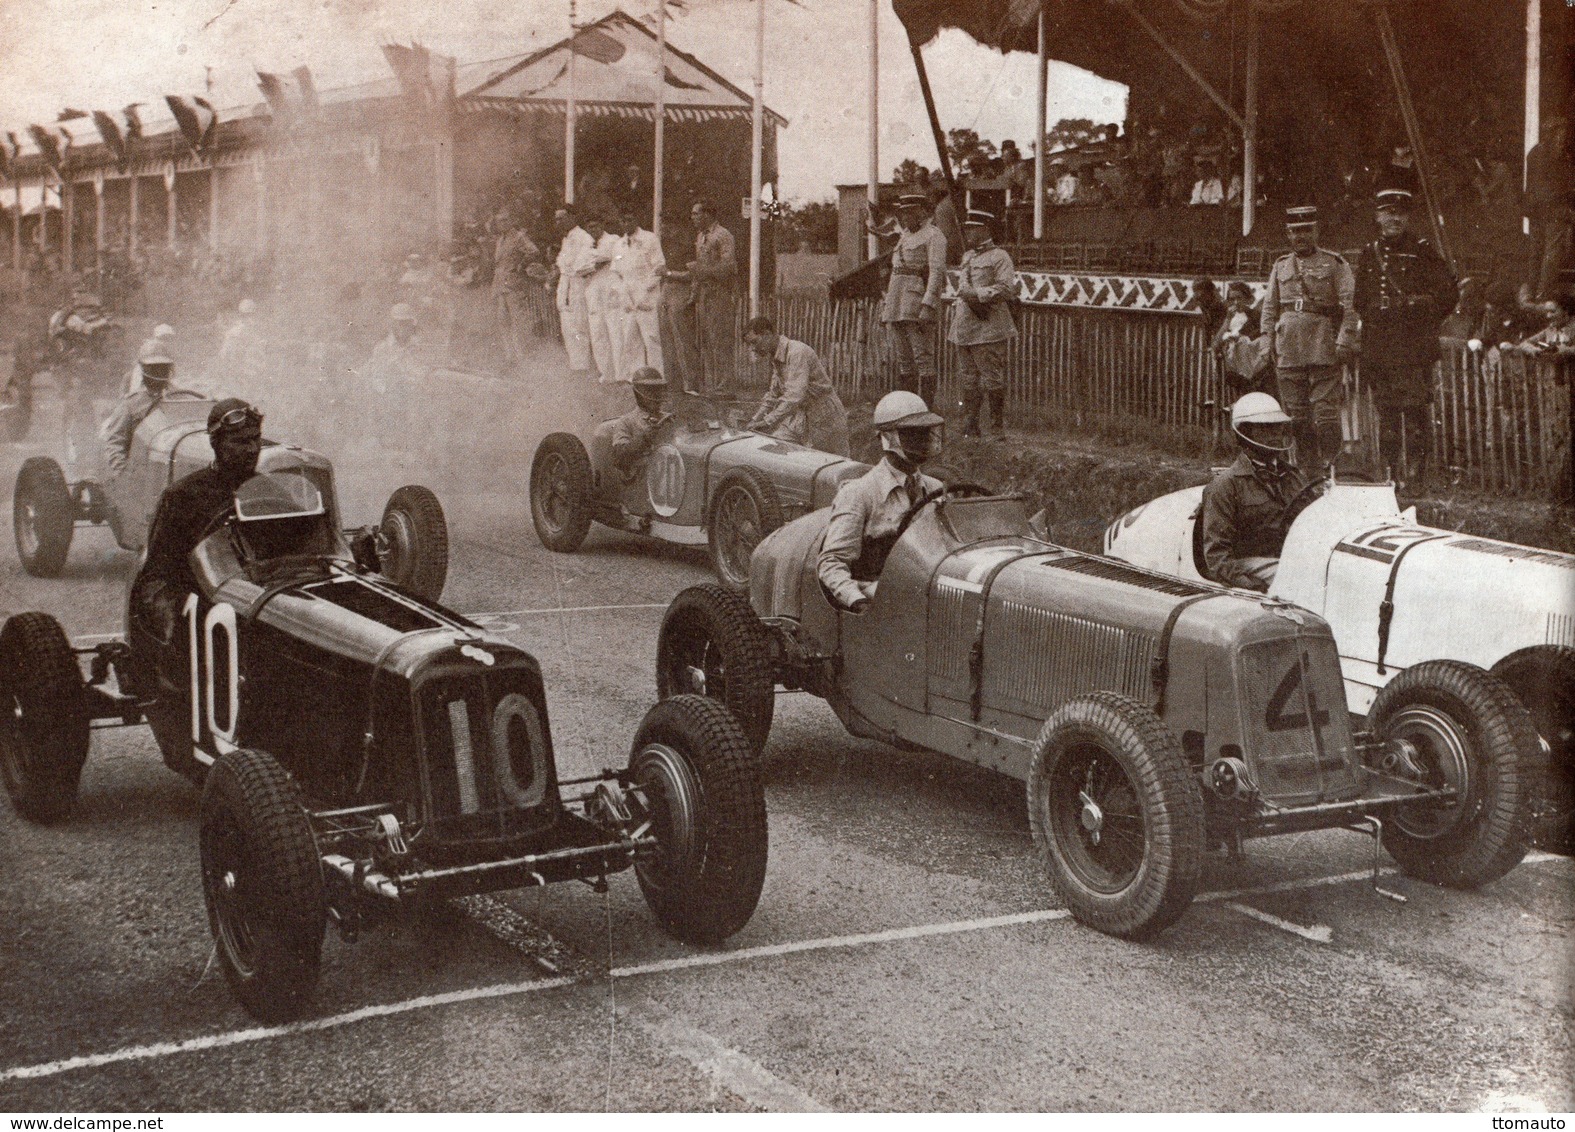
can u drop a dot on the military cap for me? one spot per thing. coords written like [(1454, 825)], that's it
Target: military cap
[(980, 217), (1301, 216), (1393, 198), (913, 200)]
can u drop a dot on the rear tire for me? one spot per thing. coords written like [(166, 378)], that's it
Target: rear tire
[(263, 884), (562, 493), (43, 717), (1469, 732), (744, 509), (712, 644), (414, 544), (43, 517), (1543, 680), (693, 765), (1117, 815)]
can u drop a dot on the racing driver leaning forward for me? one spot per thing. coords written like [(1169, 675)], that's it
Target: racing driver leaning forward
[(868, 511), (189, 507), (1249, 507)]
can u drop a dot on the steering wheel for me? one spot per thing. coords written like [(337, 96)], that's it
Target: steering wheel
[(1304, 498), (962, 489), (184, 395), (217, 522)]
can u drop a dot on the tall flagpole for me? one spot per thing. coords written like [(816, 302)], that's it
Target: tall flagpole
[(1043, 83), (873, 188), (661, 117), (757, 132), (1533, 88), (1249, 147), (568, 118)]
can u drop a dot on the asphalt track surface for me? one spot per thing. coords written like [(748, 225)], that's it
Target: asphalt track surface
[(907, 954)]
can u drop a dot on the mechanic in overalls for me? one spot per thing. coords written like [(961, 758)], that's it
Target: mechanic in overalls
[(188, 510), (800, 405), (1249, 507), (155, 371), (629, 437), (1309, 325), (869, 511)]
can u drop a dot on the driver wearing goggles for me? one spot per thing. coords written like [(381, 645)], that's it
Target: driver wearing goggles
[(870, 511), (189, 508)]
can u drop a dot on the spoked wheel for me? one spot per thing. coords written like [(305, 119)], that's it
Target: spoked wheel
[(43, 719), (744, 510), (562, 488), (43, 517), (1116, 815), (412, 542), (1466, 730), (692, 769), (263, 884), (712, 644)]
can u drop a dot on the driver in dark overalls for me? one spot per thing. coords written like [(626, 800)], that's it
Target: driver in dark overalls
[(869, 512), (189, 508)]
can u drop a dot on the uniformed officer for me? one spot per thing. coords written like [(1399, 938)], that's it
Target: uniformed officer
[(868, 511), (913, 294), (1248, 508), (981, 322), (1309, 331), (1404, 290), (156, 371), (629, 436)]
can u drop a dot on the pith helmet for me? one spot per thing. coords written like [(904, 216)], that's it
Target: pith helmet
[(902, 409), (1257, 408)]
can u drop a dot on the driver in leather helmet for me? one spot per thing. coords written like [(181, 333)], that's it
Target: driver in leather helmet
[(190, 506), (631, 435), (869, 510), (1249, 507)]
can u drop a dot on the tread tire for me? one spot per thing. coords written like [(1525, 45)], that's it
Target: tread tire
[(268, 924), (1480, 836), (1089, 738), (714, 630), (561, 471), (44, 741), (43, 517), (727, 549), (1543, 679), (414, 517), (705, 881)]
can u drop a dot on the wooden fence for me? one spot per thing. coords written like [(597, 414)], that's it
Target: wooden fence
[(1499, 424)]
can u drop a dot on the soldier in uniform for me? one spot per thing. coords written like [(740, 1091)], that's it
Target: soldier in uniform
[(981, 322), (1309, 332), (1248, 508), (918, 273), (155, 371), (1404, 290)]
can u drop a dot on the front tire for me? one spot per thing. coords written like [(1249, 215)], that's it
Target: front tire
[(712, 644), (263, 884), (413, 543), (1543, 680), (43, 717), (744, 510), (694, 768), (43, 517), (562, 493), (1117, 815), (1468, 732)]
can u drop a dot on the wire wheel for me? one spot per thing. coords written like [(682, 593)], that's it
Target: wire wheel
[(561, 487), (1096, 819), (744, 510)]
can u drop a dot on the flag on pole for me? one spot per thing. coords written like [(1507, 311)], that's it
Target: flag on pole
[(208, 128), (272, 87), (308, 89), (190, 122), (133, 122), (69, 114), (425, 77), (109, 134), (48, 147)]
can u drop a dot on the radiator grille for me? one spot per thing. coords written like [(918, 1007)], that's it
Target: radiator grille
[(953, 624), (1045, 657)]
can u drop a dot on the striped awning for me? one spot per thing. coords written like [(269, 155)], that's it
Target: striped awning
[(522, 107)]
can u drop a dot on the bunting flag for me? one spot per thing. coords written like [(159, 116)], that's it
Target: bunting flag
[(424, 77), (48, 147), (7, 156), (133, 122), (70, 114), (593, 43), (196, 120), (109, 134), (213, 122), (308, 89), (272, 87)]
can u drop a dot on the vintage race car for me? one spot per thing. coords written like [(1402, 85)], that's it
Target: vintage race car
[(703, 482), (1151, 718), (411, 542), (1397, 594), (361, 748)]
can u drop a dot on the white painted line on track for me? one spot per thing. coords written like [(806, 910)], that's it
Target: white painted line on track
[(711, 959), (1318, 933), (742, 1076)]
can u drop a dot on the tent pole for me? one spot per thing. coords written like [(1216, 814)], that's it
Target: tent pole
[(1533, 91), (872, 188), (935, 121), (661, 118), (1413, 131), (1181, 61), (68, 220), (1040, 127), (568, 118), (1249, 145), (757, 131), (16, 224)]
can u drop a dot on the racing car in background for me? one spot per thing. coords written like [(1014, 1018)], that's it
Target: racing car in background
[(361, 749), (1150, 717), (704, 481), (410, 544), (1397, 594)]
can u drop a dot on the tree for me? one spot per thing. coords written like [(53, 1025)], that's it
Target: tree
[(910, 172), (968, 151), (814, 223), (1069, 133)]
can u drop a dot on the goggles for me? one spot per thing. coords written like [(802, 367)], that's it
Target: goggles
[(236, 418)]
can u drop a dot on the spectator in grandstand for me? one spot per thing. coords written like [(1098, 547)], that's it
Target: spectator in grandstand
[(1066, 182), (1207, 189), (1556, 340), (1236, 343), (1174, 174)]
